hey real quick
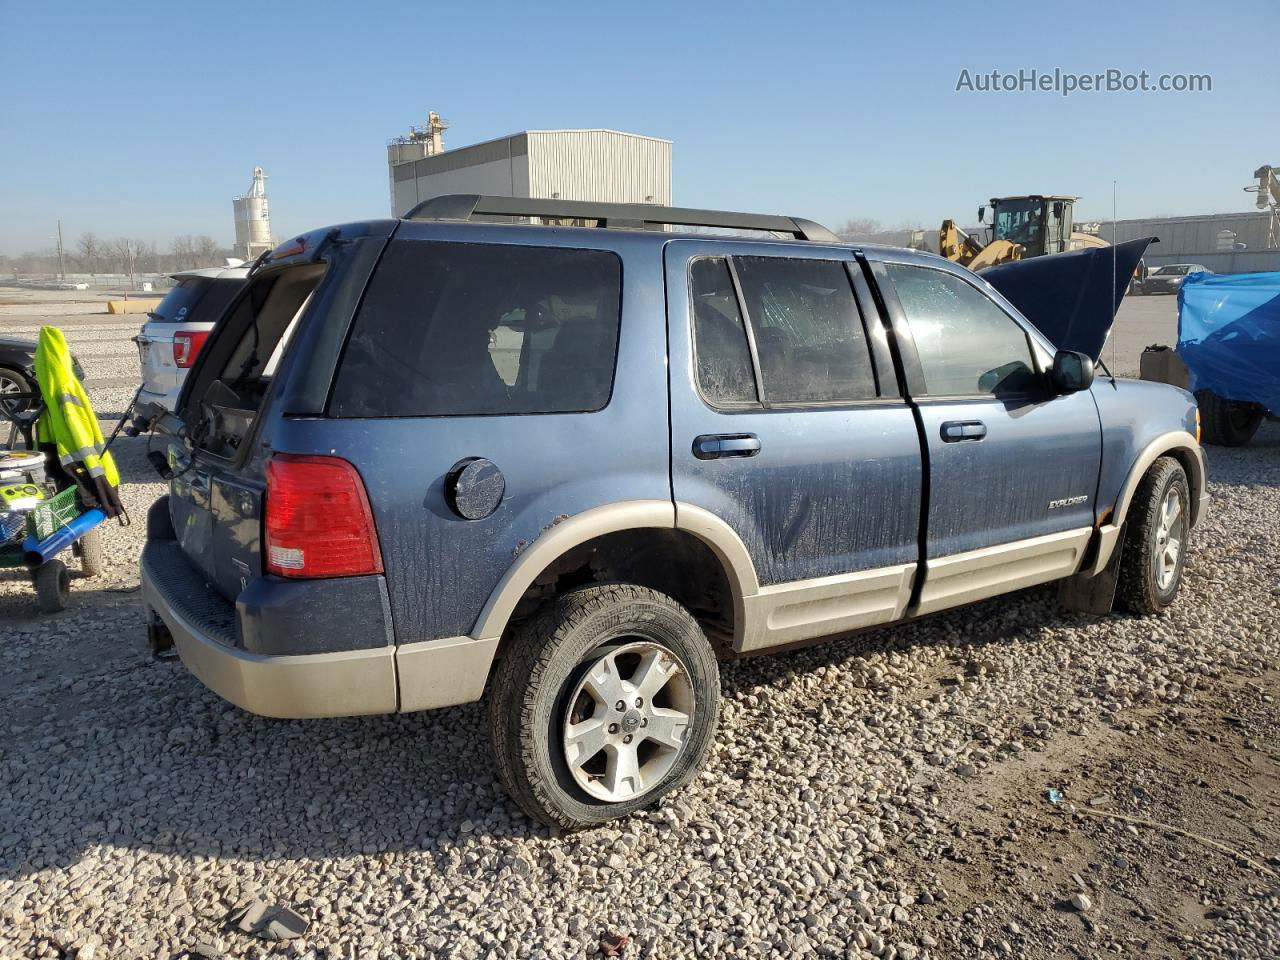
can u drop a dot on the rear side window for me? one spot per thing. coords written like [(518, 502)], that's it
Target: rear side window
[(453, 329), (808, 332), (967, 344), (719, 338)]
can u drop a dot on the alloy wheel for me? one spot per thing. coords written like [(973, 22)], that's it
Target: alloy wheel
[(626, 721)]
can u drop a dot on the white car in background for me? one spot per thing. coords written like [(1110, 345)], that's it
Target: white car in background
[(176, 330)]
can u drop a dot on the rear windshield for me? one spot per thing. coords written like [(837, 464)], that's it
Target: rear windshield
[(451, 329), (196, 299)]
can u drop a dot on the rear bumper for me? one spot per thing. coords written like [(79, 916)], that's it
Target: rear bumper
[(167, 400), (334, 683)]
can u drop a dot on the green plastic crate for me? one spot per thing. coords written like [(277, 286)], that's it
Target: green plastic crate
[(54, 514)]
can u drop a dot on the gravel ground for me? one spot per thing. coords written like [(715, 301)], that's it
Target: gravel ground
[(880, 796)]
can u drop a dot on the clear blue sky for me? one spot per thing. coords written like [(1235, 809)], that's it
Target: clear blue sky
[(144, 119)]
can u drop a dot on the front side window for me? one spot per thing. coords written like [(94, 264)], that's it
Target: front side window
[(808, 333), (454, 329), (967, 344)]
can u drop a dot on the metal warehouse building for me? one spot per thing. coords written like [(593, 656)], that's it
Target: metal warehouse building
[(1196, 240), (602, 165)]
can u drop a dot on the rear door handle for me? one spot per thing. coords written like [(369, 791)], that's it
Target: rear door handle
[(713, 446), (960, 431)]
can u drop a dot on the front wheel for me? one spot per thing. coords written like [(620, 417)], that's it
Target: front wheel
[(1155, 540), (603, 703)]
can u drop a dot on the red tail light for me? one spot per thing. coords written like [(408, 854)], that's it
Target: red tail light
[(186, 347), (318, 521)]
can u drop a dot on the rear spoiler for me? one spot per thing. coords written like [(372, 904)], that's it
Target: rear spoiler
[(1072, 298)]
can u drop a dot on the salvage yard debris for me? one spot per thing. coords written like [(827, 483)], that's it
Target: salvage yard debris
[(267, 922)]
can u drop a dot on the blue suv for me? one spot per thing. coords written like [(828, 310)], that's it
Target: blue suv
[(566, 455)]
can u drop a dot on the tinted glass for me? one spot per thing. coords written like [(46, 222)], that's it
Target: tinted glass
[(451, 329), (720, 341), (967, 344), (807, 329), (180, 302)]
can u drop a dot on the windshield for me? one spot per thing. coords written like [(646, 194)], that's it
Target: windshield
[(1018, 221), (1173, 270)]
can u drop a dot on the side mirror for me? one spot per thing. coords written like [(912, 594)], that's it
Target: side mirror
[(982, 214), (1071, 372)]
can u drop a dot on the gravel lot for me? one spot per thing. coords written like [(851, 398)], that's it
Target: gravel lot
[(881, 796)]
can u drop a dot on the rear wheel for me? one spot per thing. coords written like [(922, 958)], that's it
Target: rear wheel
[(604, 702), (1228, 423), (53, 586), (1155, 540), (91, 553)]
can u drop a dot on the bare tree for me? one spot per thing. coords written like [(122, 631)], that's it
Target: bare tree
[(125, 253), (208, 254), (183, 252), (145, 252), (859, 227), (91, 250)]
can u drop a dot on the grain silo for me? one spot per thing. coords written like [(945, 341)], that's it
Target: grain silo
[(253, 222)]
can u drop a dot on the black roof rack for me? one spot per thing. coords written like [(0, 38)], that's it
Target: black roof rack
[(637, 216)]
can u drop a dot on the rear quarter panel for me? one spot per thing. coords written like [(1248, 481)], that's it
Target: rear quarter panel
[(440, 568)]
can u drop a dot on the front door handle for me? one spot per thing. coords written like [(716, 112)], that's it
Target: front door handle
[(963, 431), (713, 446)]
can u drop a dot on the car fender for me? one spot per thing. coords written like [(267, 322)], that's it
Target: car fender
[(563, 536), (1179, 443)]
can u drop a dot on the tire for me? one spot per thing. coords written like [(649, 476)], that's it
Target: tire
[(549, 663), (91, 553), (1149, 580), (53, 586), (14, 381), (1228, 423)]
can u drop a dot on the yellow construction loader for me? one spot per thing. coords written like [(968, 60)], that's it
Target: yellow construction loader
[(1021, 227)]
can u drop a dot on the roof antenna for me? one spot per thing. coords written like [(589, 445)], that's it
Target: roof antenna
[(1115, 290)]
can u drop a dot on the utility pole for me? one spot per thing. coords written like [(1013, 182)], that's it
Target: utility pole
[(62, 266)]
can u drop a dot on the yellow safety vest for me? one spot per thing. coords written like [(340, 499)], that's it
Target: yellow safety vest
[(70, 426)]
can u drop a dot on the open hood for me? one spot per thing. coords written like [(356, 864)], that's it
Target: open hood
[(1072, 298)]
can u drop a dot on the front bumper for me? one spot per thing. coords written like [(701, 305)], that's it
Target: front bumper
[(207, 632)]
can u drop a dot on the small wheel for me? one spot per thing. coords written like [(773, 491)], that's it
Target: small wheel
[(1228, 423), (91, 553), (605, 701), (53, 586), (1156, 539)]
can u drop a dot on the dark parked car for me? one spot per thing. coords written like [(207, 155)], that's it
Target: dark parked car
[(567, 468), (18, 367), (1168, 279)]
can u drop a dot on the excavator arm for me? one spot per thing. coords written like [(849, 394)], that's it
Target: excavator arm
[(968, 251)]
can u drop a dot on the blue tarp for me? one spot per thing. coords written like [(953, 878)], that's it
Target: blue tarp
[(1229, 335)]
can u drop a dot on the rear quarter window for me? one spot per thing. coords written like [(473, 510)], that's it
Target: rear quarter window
[(454, 329)]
